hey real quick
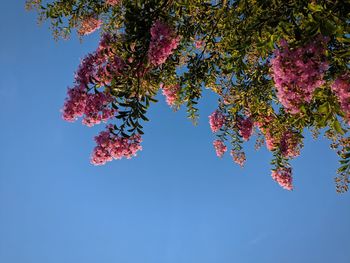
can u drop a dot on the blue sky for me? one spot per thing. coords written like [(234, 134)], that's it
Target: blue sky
[(176, 202)]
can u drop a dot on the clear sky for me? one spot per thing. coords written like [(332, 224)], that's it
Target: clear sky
[(175, 203)]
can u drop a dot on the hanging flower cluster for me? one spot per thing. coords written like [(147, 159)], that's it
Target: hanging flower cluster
[(245, 127), (163, 42), (289, 145), (216, 121), (297, 72), (283, 176), (112, 2), (170, 92), (238, 157), (89, 25), (111, 146), (220, 148), (341, 87), (94, 69)]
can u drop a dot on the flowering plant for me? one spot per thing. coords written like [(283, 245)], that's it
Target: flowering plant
[(279, 67)]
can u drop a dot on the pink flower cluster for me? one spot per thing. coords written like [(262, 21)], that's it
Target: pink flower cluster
[(97, 110), (298, 72), (171, 93), (163, 42), (245, 127), (97, 70), (89, 25), (216, 121), (94, 107), (74, 105), (110, 146), (283, 176), (341, 87), (199, 44), (289, 145), (112, 2), (220, 148), (238, 157), (264, 128)]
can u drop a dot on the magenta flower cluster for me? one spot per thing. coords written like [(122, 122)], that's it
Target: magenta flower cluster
[(89, 25), (245, 127), (171, 93), (112, 2), (341, 87), (110, 146), (216, 121), (283, 176), (163, 42), (289, 145), (298, 72), (93, 107), (220, 148), (238, 157)]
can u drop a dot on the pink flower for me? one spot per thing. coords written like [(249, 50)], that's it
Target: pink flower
[(289, 145), (171, 93), (341, 88), (163, 42), (245, 127), (112, 2), (238, 157), (199, 44), (110, 146), (216, 121), (283, 176), (298, 72), (97, 110), (74, 105), (88, 25), (220, 148)]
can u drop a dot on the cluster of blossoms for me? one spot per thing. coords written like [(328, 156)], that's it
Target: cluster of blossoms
[(163, 42), (220, 148), (97, 110), (283, 176), (170, 92), (199, 44), (112, 2), (298, 72), (216, 121), (341, 87), (245, 127), (94, 107), (110, 146), (289, 145), (94, 69), (238, 157), (264, 128), (89, 25)]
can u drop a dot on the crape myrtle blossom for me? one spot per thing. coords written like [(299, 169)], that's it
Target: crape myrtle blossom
[(110, 146), (170, 92), (238, 157), (112, 2), (264, 128), (216, 121), (341, 88), (245, 127), (297, 72), (89, 25), (289, 145), (94, 70), (163, 42), (283, 176), (220, 148)]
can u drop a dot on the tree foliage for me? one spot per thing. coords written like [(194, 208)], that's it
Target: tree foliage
[(279, 67)]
